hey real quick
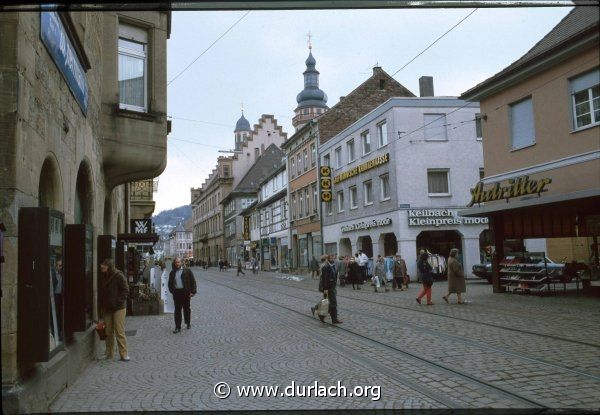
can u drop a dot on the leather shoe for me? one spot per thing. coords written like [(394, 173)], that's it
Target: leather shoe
[(189, 326), (337, 322), (176, 331)]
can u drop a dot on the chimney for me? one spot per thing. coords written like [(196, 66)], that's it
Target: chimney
[(377, 70), (426, 86)]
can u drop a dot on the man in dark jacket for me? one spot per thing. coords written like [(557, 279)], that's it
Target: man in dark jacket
[(182, 285), (113, 290), (328, 282)]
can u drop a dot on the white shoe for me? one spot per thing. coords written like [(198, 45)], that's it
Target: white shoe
[(125, 359)]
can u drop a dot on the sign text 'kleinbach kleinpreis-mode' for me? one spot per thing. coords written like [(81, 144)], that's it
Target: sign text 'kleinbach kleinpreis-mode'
[(440, 217)]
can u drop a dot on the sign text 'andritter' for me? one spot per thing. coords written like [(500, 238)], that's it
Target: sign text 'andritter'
[(56, 40), (368, 165), (366, 225), (521, 186)]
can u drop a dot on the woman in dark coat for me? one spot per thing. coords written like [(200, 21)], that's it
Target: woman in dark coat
[(354, 274), (456, 277), (426, 276)]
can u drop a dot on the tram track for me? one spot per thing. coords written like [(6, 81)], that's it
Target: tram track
[(481, 384), (416, 310)]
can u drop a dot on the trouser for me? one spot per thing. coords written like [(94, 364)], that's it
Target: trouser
[(332, 296), (397, 282), (181, 301), (238, 272), (425, 291), (115, 327), (363, 274)]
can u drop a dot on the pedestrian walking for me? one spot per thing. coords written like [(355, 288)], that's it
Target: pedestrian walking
[(426, 278), (342, 270), (254, 266), (456, 277), (363, 261), (354, 274), (314, 268), (182, 285), (113, 293), (239, 268), (327, 285), (400, 273), (379, 274)]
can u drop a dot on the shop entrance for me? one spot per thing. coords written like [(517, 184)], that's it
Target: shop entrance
[(366, 245), (389, 243), (439, 242)]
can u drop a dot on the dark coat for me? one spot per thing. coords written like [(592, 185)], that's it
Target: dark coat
[(425, 272), (114, 291), (328, 277), (353, 273), (189, 282), (400, 270)]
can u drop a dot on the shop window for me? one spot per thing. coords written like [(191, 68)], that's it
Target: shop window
[(438, 182), (340, 201), (133, 68), (365, 139), (478, 130), (382, 132), (353, 197), (435, 127), (351, 151), (585, 92), (368, 192), (385, 187), (522, 128)]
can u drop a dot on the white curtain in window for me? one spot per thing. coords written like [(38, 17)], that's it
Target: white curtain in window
[(131, 80), (521, 124), (437, 181)]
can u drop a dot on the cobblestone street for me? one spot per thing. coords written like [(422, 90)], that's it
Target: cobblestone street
[(497, 351)]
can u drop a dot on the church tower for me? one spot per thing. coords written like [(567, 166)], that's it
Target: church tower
[(242, 131), (312, 102)]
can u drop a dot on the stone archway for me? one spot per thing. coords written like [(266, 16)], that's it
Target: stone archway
[(389, 243), (83, 211), (345, 247), (50, 192), (365, 244)]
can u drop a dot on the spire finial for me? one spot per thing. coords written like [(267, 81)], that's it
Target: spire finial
[(309, 40), (242, 104)]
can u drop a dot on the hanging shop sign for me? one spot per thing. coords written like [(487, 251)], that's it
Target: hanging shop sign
[(55, 38), (521, 186), (440, 217), (246, 233), (361, 168), (325, 181), (141, 225), (375, 223)]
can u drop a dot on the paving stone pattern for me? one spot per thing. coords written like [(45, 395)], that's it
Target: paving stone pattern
[(247, 338)]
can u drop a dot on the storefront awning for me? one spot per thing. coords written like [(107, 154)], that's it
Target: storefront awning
[(545, 201)]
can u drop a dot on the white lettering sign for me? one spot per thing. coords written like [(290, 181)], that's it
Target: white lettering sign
[(366, 225), (440, 217)]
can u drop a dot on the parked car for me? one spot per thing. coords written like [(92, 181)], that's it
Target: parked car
[(484, 271)]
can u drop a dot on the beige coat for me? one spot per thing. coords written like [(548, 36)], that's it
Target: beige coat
[(456, 277)]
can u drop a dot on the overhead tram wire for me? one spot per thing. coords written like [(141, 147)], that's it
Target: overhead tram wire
[(209, 47), (435, 41)]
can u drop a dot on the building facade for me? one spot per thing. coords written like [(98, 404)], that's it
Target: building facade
[(72, 137), (399, 193), (180, 241), (541, 129), (273, 217)]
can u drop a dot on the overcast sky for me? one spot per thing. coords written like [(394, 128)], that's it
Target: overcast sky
[(260, 63)]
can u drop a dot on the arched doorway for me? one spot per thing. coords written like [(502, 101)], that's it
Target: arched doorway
[(84, 195), (345, 247), (439, 242), (365, 244), (389, 243), (50, 185)]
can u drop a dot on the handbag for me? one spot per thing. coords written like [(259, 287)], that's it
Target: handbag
[(101, 330), (323, 307)]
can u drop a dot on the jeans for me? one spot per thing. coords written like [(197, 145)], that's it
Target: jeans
[(181, 301)]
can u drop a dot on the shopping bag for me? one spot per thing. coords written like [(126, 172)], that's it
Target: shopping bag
[(101, 330), (323, 307)]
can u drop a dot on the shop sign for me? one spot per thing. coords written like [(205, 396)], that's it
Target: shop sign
[(141, 225), (375, 223), (521, 186), (361, 168), (440, 217), (60, 48), (325, 181), (246, 233)]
